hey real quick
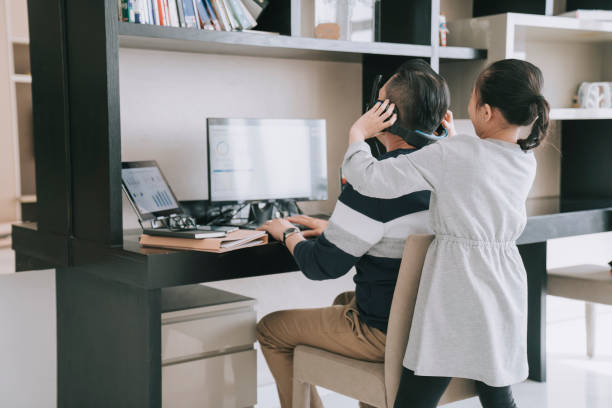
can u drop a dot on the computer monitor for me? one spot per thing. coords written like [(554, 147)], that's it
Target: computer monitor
[(266, 159)]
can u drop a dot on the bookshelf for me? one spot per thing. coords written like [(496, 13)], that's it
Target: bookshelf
[(568, 51)]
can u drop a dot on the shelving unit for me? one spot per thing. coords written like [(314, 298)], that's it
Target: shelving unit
[(568, 51), (21, 101)]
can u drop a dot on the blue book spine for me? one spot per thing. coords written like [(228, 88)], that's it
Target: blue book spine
[(152, 18), (191, 20), (206, 21)]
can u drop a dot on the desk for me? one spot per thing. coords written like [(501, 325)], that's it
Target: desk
[(109, 301)]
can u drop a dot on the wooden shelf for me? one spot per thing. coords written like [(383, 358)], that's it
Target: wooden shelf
[(462, 53), (21, 79), (20, 40), (272, 45), (580, 114), (27, 199), (560, 29)]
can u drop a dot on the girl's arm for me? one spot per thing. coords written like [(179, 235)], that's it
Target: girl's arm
[(390, 178), (393, 177)]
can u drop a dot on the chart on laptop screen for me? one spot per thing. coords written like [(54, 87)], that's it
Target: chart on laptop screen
[(267, 159), (148, 189)]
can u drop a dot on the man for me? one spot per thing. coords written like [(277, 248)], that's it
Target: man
[(366, 233)]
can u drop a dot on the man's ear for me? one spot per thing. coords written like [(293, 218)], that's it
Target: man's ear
[(486, 112)]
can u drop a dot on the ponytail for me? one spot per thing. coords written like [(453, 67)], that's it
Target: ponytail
[(514, 87), (539, 129)]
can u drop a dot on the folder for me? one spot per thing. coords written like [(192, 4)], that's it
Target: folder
[(232, 241)]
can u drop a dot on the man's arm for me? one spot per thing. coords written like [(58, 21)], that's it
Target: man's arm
[(353, 229)]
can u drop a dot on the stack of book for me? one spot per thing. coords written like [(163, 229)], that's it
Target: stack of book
[(214, 15), (232, 241)]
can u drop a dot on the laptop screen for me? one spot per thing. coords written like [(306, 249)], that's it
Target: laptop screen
[(148, 190)]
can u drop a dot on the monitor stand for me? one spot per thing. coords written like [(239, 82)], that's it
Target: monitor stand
[(272, 209), (260, 212)]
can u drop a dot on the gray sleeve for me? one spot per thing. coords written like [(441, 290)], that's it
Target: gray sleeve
[(394, 177)]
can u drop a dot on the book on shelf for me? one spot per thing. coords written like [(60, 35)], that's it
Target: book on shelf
[(173, 12), (205, 20), (230, 15), (221, 15), (245, 19), (167, 13), (181, 13), (218, 15), (190, 14), (232, 241), (253, 8), (212, 14)]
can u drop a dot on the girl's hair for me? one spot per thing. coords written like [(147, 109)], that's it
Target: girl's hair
[(515, 88)]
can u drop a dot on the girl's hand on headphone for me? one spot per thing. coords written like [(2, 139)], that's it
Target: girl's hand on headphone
[(449, 123), (374, 121)]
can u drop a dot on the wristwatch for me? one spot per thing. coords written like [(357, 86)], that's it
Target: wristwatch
[(288, 232)]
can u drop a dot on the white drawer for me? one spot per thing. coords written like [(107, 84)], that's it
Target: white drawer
[(208, 335), (227, 381)]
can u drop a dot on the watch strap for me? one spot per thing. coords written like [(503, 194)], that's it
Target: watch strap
[(288, 232)]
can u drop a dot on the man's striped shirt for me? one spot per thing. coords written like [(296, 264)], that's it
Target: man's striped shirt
[(369, 234)]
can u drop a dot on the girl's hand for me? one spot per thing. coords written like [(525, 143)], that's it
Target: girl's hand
[(449, 123), (374, 121)]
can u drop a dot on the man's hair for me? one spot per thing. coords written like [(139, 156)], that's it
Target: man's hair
[(420, 95)]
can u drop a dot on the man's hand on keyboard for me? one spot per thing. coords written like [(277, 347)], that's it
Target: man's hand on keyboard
[(315, 225)]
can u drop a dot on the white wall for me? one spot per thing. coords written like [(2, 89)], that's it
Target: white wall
[(28, 340), (167, 96)]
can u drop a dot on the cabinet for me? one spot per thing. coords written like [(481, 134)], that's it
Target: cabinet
[(207, 338)]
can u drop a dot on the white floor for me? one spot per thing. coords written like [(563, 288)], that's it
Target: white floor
[(574, 381)]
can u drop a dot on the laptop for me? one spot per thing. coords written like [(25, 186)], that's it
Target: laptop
[(151, 197)]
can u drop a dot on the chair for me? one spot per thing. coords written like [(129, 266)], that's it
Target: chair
[(591, 283), (374, 383)]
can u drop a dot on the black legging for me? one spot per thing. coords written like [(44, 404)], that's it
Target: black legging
[(425, 392)]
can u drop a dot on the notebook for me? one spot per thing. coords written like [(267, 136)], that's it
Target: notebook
[(232, 241)]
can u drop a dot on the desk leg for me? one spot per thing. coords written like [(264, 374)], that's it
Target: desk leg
[(534, 258), (108, 342)]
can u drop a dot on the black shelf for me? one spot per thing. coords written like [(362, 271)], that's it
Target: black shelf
[(153, 37)]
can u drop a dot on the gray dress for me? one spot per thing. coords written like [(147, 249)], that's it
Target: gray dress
[(470, 318)]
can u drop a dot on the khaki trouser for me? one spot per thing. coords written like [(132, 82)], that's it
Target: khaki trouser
[(336, 328)]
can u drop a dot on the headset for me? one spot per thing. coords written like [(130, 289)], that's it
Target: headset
[(416, 138)]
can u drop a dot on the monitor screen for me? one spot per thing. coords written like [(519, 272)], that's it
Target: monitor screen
[(267, 159), (147, 189)]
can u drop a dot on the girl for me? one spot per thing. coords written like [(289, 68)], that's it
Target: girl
[(470, 317)]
